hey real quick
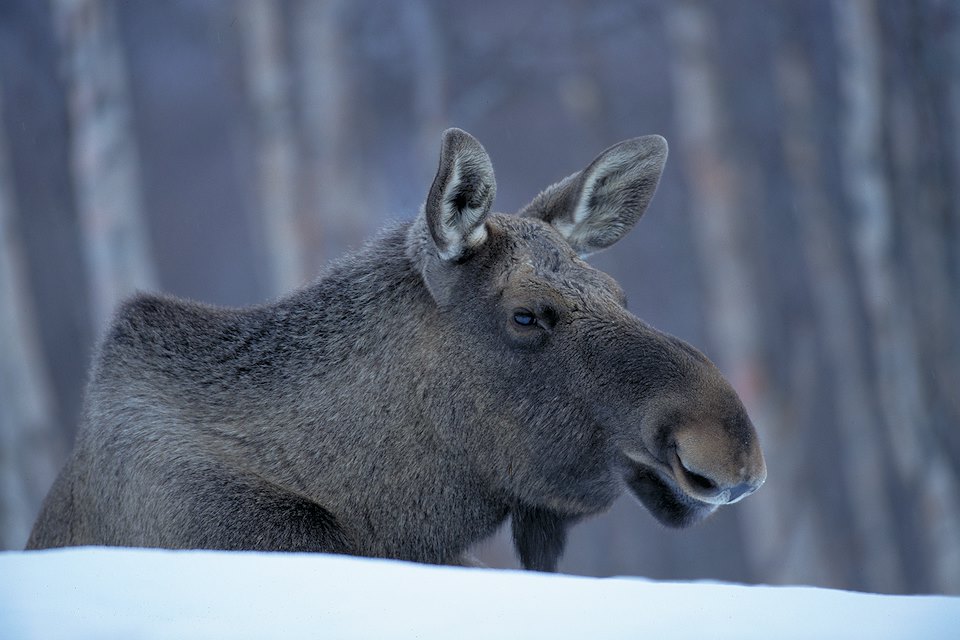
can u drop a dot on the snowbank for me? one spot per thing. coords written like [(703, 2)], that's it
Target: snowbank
[(127, 593)]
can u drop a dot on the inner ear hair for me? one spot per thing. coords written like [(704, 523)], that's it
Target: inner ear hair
[(606, 197), (460, 197), (596, 207)]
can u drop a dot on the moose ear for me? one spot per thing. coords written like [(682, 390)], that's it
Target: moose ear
[(596, 207), (461, 195)]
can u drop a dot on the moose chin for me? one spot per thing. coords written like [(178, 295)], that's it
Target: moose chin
[(461, 369)]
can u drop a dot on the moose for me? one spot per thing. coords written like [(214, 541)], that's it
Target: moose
[(461, 368)]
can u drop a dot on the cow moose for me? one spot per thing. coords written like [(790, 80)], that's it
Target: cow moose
[(461, 368)]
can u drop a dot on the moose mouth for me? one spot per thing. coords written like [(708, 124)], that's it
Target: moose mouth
[(676, 496)]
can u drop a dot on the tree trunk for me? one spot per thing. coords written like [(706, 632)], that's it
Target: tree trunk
[(268, 87), (874, 551), (781, 532), (329, 189), (103, 154), (928, 483), (429, 92), (30, 446)]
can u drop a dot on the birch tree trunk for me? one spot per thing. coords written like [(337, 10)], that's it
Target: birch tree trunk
[(874, 553), (268, 86), (30, 446), (921, 201), (103, 154), (781, 529), (928, 482), (428, 72), (329, 190)]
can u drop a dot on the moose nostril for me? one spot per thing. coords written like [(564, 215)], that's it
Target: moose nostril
[(741, 490), (702, 482)]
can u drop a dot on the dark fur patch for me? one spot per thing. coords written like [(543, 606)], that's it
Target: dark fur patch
[(237, 514), (539, 536)]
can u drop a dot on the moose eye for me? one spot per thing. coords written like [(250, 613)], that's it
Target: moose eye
[(524, 318)]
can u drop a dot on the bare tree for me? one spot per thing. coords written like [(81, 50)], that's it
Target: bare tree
[(835, 298), (268, 86), (103, 153), (782, 532), (329, 187), (918, 463), (30, 447), (429, 92)]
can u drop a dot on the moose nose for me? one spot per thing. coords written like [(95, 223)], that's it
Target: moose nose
[(740, 491), (713, 491)]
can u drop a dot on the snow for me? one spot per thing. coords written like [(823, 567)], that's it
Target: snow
[(138, 593)]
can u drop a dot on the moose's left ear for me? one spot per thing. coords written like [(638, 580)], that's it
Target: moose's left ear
[(597, 206)]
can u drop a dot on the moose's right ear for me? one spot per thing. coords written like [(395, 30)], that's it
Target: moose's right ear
[(461, 196), (595, 207)]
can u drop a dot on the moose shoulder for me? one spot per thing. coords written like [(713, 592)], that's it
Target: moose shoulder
[(460, 369)]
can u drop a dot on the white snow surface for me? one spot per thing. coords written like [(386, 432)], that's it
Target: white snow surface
[(139, 593)]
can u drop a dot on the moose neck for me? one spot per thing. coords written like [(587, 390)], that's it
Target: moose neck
[(362, 417)]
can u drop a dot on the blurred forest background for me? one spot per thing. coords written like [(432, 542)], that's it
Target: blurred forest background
[(806, 233)]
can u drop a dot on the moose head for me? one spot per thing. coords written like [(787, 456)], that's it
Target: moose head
[(563, 397)]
